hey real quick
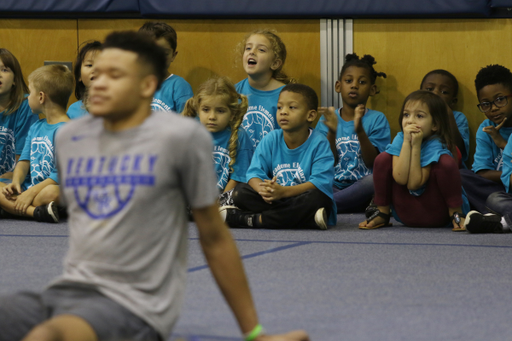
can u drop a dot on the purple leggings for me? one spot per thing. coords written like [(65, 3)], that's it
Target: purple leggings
[(443, 190)]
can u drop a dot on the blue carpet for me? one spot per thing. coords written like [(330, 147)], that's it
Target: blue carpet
[(394, 283)]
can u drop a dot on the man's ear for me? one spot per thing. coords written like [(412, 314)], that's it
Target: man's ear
[(148, 86)]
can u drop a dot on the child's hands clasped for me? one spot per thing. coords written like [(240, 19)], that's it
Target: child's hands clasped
[(413, 134), (271, 191), (331, 120)]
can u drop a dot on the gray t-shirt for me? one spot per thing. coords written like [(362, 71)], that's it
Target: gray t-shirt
[(127, 194)]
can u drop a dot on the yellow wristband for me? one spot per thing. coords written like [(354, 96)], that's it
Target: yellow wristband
[(253, 334)]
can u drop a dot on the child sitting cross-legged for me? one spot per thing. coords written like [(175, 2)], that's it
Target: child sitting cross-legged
[(37, 194), (291, 173)]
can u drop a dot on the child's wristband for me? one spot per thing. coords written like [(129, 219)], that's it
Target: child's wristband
[(253, 334)]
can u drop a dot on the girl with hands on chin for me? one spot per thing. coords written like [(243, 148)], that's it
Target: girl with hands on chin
[(417, 175)]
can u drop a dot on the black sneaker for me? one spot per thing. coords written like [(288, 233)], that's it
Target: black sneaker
[(226, 199), (234, 217), (477, 222), (321, 218), (47, 213)]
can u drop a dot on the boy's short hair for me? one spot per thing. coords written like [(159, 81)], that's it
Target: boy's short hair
[(493, 74), (56, 81), (446, 74), (307, 93), (147, 50), (161, 30)]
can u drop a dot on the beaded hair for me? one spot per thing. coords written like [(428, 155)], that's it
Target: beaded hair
[(277, 46), (237, 104), (367, 62)]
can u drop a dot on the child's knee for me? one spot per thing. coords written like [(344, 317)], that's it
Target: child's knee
[(447, 163), (446, 167), (47, 195), (382, 161)]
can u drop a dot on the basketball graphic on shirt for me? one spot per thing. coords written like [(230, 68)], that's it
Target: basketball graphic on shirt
[(7, 155), (39, 171), (103, 186), (221, 161), (257, 125), (290, 176), (350, 165)]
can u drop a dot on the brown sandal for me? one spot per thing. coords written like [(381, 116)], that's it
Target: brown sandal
[(376, 214)]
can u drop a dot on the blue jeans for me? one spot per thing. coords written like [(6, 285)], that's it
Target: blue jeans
[(478, 189), (356, 197), (501, 203)]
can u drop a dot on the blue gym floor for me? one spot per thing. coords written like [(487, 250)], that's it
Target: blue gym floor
[(394, 283)]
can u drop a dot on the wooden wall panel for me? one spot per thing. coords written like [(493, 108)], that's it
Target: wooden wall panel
[(33, 41), (207, 47), (407, 49)]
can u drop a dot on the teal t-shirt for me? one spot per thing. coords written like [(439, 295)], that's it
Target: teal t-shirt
[(13, 132), (40, 151), (311, 162)]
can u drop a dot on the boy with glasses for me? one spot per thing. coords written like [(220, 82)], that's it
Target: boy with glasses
[(494, 89)]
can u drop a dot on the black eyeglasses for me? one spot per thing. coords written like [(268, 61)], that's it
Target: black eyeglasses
[(499, 102)]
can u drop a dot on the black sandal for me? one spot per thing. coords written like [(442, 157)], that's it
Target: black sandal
[(376, 214)]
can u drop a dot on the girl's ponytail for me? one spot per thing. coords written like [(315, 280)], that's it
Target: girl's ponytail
[(238, 113), (190, 108)]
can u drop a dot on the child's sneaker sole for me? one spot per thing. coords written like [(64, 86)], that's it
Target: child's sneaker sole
[(321, 218)]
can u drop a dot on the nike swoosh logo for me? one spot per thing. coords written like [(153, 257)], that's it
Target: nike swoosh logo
[(78, 137)]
